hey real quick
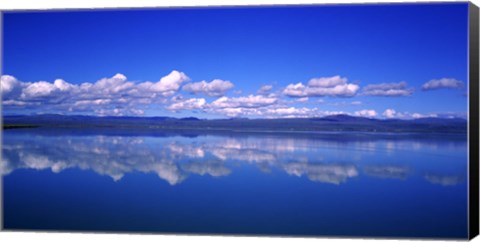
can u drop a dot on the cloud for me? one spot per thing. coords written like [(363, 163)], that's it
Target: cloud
[(114, 95), (390, 113), (418, 115), (94, 154), (7, 83), (118, 96), (388, 90), (444, 180), (295, 90), (444, 83), (236, 112), (366, 113), (216, 87), (242, 154), (327, 81), (187, 104), (213, 168), (268, 112), (119, 112), (174, 160), (335, 86), (341, 104), (186, 150), (387, 171), (110, 86), (327, 173), (302, 99), (42, 89), (265, 89), (169, 84), (290, 112), (251, 101)]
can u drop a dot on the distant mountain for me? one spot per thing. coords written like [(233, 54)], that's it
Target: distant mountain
[(333, 123), (345, 118), (439, 120), (190, 119)]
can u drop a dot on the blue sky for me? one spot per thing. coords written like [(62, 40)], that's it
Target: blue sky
[(383, 61)]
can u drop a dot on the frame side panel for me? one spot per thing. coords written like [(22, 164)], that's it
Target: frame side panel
[(473, 122)]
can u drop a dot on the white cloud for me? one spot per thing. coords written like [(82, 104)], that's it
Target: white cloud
[(388, 89), (107, 96), (38, 89), (251, 101), (8, 83), (265, 89), (186, 150), (444, 180), (390, 113), (327, 81), (445, 83), (63, 85), (302, 99), (344, 90), (341, 104), (170, 84), (387, 171), (216, 87), (289, 112), (213, 168), (19, 103), (366, 113), (335, 86), (187, 104), (86, 103), (113, 85), (326, 173), (237, 112), (295, 90), (137, 112), (417, 115), (118, 96)]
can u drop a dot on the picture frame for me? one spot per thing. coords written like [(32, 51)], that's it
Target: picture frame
[(472, 133)]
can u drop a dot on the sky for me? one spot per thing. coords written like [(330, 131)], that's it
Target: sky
[(380, 61)]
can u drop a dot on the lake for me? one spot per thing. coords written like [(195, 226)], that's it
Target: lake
[(308, 184)]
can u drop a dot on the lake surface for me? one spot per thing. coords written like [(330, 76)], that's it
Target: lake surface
[(333, 184)]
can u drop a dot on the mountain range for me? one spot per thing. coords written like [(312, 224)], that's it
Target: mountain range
[(334, 123)]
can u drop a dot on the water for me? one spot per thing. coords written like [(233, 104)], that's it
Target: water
[(232, 183)]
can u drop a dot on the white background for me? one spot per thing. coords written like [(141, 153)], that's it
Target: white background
[(51, 4)]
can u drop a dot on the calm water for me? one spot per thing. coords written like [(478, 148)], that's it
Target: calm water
[(321, 185)]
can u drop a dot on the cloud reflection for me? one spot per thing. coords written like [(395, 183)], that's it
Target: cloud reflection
[(444, 180), (328, 173), (387, 171), (173, 159)]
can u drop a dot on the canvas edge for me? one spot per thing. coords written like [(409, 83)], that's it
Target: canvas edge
[(473, 208), (473, 119)]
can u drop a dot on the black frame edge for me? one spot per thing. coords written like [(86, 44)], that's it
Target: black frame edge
[(474, 190)]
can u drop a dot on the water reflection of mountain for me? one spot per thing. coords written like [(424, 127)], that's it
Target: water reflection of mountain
[(174, 158)]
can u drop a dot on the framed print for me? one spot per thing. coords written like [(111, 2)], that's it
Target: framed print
[(333, 120)]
